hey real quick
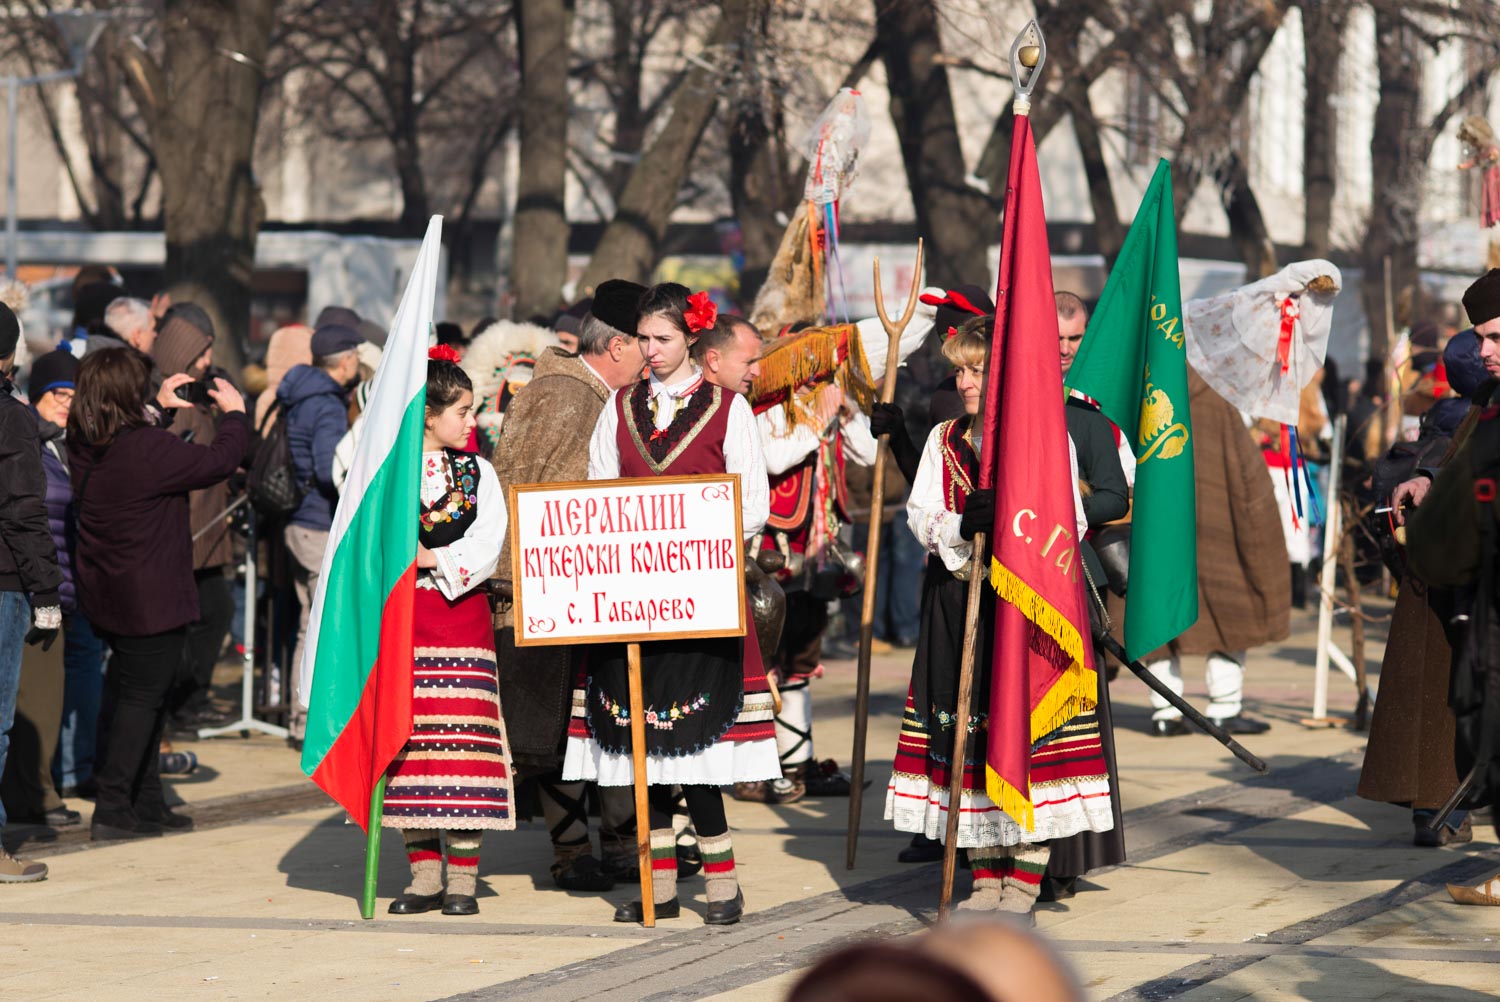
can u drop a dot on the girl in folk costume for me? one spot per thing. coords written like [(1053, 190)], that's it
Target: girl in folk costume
[(708, 706), (454, 774), (1069, 783)]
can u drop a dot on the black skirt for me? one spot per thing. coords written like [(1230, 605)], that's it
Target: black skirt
[(693, 691)]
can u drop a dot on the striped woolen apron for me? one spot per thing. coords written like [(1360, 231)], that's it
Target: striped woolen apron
[(455, 771)]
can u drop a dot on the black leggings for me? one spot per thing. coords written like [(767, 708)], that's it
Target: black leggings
[(705, 805)]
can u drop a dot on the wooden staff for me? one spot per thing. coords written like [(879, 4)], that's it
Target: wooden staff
[(638, 763), (893, 330), (978, 573)]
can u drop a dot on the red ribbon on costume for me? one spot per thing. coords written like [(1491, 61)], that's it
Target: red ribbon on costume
[(701, 312), (1289, 314), (444, 353), (1489, 201)]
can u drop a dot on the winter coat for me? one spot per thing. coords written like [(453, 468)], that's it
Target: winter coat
[(28, 558), (545, 439), (133, 561), (177, 346), (317, 416), (59, 501), (1244, 581), (289, 347)]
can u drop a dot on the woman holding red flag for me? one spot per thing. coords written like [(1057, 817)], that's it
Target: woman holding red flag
[(706, 701), (454, 774), (945, 510)]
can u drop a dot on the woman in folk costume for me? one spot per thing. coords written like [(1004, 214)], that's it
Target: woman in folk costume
[(1068, 777), (454, 774), (707, 701)]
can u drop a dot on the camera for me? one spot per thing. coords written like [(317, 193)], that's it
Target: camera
[(195, 392)]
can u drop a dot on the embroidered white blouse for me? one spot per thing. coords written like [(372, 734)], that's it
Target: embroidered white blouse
[(742, 451), (935, 527), (468, 562)]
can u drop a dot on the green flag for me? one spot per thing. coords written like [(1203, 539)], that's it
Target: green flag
[(1132, 362)]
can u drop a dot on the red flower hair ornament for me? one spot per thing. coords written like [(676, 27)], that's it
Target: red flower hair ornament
[(443, 353), (700, 313)]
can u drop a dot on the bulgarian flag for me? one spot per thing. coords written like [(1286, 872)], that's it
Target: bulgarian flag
[(357, 661), (1042, 669)]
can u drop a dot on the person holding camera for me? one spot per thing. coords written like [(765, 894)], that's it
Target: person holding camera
[(29, 575), (184, 345), (133, 563)]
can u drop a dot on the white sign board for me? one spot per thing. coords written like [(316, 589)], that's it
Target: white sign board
[(656, 558)]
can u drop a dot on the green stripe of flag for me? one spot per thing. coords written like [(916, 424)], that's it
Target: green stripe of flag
[(370, 558)]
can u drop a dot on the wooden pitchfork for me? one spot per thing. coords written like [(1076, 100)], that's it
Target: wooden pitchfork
[(893, 330)]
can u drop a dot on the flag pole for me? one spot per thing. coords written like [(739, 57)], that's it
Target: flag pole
[(372, 849), (978, 566), (638, 765), (1187, 709), (1031, 55), (893, 330)]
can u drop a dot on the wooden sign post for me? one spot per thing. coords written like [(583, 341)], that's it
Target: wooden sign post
[(628, 561)]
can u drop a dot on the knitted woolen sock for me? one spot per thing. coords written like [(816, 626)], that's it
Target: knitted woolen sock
[(425, 855), (1022, 873), (463, 861), (988, 884), (663, 865), (718, 867)]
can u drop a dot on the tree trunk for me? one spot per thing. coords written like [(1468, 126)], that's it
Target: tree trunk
[(631, 244), (539, 261), (1247, 224), (201, 109), (1397, 173), (957, 221), (1323, 24), (1109, 232), (759, 188), (626, 59)]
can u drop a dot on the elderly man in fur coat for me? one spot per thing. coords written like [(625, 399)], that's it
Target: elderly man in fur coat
[(545, 439), (1244, 592)]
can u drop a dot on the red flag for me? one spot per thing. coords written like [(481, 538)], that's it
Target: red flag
[(1043, 670)]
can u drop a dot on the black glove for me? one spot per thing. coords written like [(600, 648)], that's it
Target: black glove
[(36, 635), (887, 419), (979, 513)]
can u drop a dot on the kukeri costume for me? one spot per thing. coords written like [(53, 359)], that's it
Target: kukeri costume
[(808, 443)]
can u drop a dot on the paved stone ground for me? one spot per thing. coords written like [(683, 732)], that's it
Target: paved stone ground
[(1283, 886)]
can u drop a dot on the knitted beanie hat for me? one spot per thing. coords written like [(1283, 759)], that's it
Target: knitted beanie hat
[(178, 345)]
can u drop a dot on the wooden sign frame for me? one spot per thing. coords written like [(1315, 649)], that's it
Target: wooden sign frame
[(518, 613)]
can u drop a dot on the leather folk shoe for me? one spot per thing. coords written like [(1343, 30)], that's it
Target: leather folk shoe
[(1169, 728), (460, 904), (415, 904), (582, 873), (725, 912), (1487, 893), (633, 913)]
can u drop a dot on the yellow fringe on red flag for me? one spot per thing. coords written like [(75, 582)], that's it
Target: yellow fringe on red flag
[(1075, 691), (1016, 805)]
